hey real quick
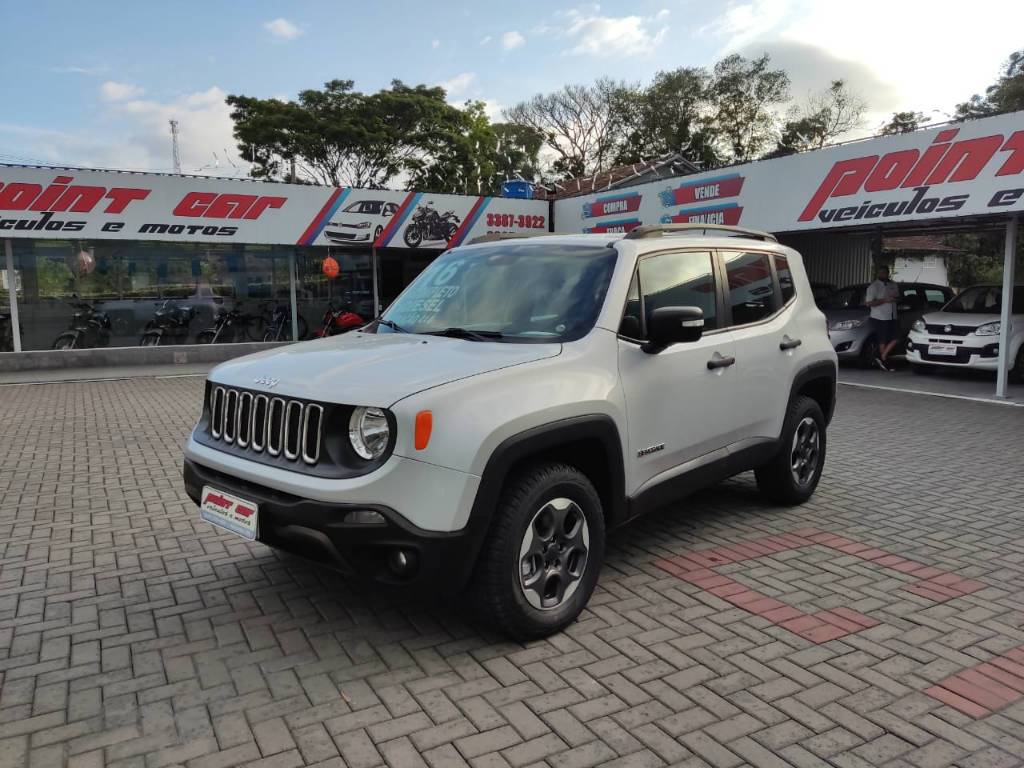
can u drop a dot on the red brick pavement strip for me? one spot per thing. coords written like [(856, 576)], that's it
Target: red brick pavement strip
[(985, 688), (698, 568)]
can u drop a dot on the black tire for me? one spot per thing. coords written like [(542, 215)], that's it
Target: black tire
[(869, 352), (497, 586), (779, 479), (412, 236), (1017, 372), (377, 233), (922, 370), (271, 335), (150, 340), (205, 337), (66, 341)]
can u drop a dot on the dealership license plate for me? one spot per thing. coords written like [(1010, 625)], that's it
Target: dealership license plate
[(948, 350), (229, 512)]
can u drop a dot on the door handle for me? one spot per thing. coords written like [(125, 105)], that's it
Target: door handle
[(788, 343), (720, 362)]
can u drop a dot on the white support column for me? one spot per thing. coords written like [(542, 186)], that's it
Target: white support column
[(12, 291), (291, 294), (1009, 264)]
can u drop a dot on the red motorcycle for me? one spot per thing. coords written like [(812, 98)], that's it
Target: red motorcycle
[(338, 320)]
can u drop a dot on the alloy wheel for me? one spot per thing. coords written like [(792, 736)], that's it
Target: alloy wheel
[(805, 450), (553, 554)]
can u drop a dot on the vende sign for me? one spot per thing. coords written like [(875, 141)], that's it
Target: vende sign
[(966, 169), (107, 205)]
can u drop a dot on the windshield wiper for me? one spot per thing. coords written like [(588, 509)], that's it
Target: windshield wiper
[(391, 324), (466, 333)]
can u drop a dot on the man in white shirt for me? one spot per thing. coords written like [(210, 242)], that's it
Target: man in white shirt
[(882, 296)]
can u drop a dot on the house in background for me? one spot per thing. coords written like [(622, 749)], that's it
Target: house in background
[(919, 258)]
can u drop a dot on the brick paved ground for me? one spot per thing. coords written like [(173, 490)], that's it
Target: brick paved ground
[(133, 635)]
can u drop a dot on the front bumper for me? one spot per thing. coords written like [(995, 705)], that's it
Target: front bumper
[(345, 235), (848, 343), (981, 353), (316, 530)]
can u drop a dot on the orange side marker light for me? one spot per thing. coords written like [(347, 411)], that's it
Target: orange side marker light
[(424, 424)]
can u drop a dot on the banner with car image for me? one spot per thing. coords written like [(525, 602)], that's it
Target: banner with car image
[(55, 203)]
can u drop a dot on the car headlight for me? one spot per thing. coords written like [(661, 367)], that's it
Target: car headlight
[(988, 329), (362, 225), (847, 325), (919, 326), (369, 432)]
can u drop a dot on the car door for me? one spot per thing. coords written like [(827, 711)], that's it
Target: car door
[(677, 399), (760, 304)]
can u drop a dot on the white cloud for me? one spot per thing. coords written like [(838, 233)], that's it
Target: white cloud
[(924, 61), (485, 39), (78, 70), (512, 40), (610, 36), (282, 28), (114, 91), (435, 43), (456, 86)]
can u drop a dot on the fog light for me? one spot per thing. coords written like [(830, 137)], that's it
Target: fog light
[(364, 517), (402, 562), (910, 345)]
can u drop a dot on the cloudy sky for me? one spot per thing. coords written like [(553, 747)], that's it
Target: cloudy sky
[(95, 83)]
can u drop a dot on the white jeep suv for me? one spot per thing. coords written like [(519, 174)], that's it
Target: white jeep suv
[(965, 333), (522, 397)]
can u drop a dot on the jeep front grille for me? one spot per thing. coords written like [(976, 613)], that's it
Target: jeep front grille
[(258, 423)]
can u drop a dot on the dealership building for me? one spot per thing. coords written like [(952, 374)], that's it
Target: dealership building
[(98, 254)]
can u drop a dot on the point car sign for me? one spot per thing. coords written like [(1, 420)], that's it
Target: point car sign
[(109, 205), (964, 169)]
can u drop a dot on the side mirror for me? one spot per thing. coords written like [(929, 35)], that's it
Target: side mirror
[(673, 325)]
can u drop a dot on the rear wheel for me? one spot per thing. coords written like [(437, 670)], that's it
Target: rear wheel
[(150, 340), (1017, 372), (792, 476), (541, 560), (65, 341), (869, 352)]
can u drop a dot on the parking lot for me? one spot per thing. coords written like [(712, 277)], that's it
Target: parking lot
[(880, 624)]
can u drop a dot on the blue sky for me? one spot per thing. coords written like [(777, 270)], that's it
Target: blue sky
[(95, 83)]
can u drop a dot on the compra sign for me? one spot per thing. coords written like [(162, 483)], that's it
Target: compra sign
[(968, 169)]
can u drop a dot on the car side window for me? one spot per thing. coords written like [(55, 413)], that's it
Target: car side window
[(751, 288), (935, 297), (681, 279), (785, 277)]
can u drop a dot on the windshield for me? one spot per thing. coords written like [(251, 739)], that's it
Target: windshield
[(844, 298), (525, 292), (985, 300)]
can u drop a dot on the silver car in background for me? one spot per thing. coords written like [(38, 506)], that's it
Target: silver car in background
[(849, 325)]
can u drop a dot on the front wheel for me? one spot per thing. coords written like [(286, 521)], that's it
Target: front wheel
[(869, 352), (543, 554), (66, 341), (150, 340), (412, 236), (793, 474), (206, 337)]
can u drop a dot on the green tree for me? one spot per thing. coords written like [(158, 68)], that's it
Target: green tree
[(823, 118), (668, 116), (1004, 95), (744, 96), (904, 122)]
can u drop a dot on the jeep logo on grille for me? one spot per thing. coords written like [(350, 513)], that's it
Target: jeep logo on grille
[(266, 381)]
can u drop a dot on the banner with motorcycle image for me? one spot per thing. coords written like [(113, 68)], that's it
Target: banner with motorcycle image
[(55, 203)]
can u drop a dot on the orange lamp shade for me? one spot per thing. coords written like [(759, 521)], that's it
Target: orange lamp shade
[(424, 424), (330, 267)]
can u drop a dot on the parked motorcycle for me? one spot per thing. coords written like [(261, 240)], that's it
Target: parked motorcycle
[(6, 333), (337, 321), (277, 323), (170, 325), (230, 325), (89, 328), (428, 224)]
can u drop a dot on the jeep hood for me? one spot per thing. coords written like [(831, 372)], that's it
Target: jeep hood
[(373, 369)]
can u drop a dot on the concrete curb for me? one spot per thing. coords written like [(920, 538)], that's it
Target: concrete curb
[(184, 354)]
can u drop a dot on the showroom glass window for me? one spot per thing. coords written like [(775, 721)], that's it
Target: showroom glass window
[(110, 293), (751, 294), (680, 279), (319, 297)]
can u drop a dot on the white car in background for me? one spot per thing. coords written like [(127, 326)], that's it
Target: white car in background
[(965, 333), (361, 222)]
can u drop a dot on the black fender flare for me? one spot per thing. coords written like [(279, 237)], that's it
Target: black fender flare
[(538, 441), (821, 370)]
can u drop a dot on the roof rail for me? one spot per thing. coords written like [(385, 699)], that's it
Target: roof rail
[(658, 230), (493, 237)]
